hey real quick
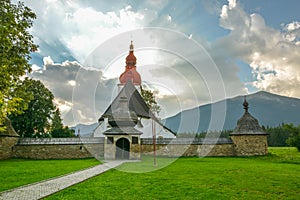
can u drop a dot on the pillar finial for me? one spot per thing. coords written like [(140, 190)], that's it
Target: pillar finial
[(245, 104), (131, 46)]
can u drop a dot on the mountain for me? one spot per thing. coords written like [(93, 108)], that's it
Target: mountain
[(85, 130), (270, 110)]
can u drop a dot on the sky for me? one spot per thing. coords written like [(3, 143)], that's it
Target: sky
[(189, 53)]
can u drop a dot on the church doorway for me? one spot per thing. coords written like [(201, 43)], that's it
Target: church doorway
[(123, 148)]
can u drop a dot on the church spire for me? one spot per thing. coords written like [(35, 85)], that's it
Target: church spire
[(130, 73), (131, 47), (130, 59)]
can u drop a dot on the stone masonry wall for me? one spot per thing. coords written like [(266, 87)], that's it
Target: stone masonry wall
[(57, 151), (177, 150), (7, 144), (58, 148), (189, 147), (69, 148), (250, 145)]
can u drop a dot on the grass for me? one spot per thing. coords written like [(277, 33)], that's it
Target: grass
[(18, 172), (275, 176)]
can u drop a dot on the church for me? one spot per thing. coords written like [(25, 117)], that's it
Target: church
[(121, 126), (129, 129), (122, 121)]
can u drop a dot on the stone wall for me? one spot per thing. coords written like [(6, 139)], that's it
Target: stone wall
[(189, 147), (7, 143), (59, 148), (250, 145), (69, 148)]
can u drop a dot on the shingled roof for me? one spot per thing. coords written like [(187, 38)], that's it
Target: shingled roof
[(136, 102), (127, 130), (247, 124), (136, 105)]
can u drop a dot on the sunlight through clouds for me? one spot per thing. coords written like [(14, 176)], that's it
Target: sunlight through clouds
[(272, 54), (67, 32)]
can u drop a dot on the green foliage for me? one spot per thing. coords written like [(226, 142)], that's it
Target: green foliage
[(149, 99), (36, 120), (280, 136), (56, 121), (212, 134), (57, 128), (42, 118), (64, 132), (277, 135), (18, 172), (294, 139), (261, 177), (16, 43)]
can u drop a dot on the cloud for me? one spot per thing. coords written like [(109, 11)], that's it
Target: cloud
[(77, 90), (183, 78), (272, 54), (48, 60), (71, 30), (76, 28), (97, 35)]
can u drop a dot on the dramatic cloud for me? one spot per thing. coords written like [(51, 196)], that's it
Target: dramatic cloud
[(83, 45), (272, 54), (78, 92), (76, 28)]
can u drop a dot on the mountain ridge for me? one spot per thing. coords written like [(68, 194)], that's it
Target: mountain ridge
[(270, 110)]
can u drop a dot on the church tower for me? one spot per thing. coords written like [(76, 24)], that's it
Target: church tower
[(130, 73), (122, 140)]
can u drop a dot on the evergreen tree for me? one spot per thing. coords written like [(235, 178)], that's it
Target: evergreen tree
[(56, 121), (57, 128), (294, 139), (277, 135)]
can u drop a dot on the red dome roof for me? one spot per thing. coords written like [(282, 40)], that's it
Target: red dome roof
[(130, 75), (131, 59), (130, 70)]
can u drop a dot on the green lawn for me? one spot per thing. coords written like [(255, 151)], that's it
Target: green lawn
[(276, 176), (18, 172)]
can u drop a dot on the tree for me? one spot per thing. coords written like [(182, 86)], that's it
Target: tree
[(149, 99), (56, 121), (57, 128), (15, 46), (64, 132), (36, 120), (278, 135), (294, 139)]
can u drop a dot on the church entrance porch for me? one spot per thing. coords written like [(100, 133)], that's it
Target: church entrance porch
[(122, 149)]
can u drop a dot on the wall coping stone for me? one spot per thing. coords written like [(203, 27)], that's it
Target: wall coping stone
[(48, 141), (187, 141), (100, 140), (6, 135)]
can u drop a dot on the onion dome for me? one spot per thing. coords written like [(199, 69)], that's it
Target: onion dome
[(130, 59), (130, 73)]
